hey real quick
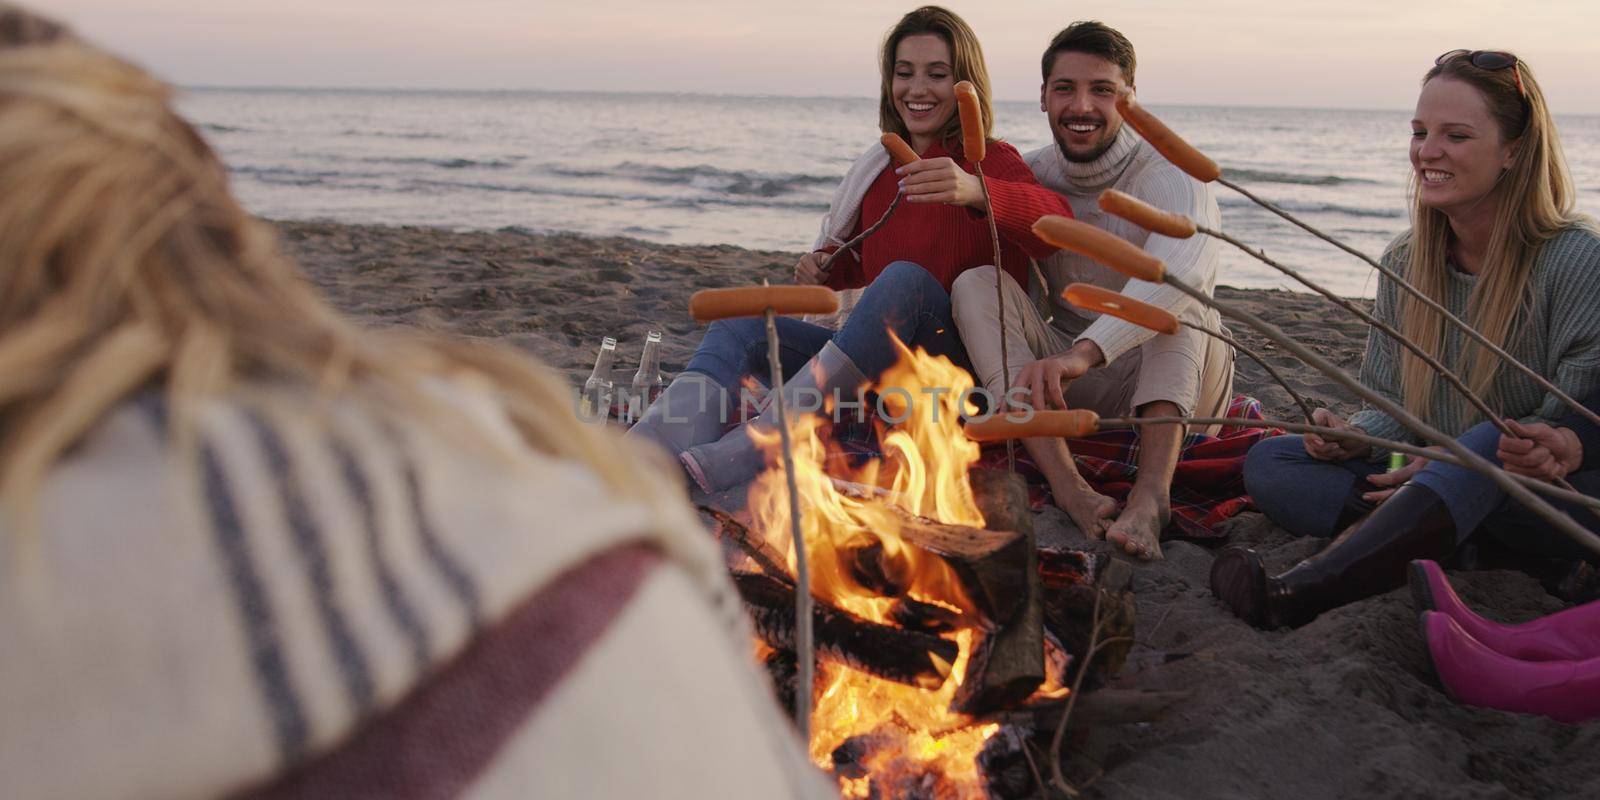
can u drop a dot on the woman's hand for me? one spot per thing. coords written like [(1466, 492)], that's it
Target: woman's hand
[(809, 270), (1387, 482), (1331, 449), (940, 180), (1540, 451)]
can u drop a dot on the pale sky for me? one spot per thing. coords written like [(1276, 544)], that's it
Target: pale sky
[(1329, 53)]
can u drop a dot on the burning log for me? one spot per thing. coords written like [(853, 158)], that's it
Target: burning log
[(784, 670), (903, 656), (916, 615), (1007, 661), (871, 569), (766, 557), (989, 562)]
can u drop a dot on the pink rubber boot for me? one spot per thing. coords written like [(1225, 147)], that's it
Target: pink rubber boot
[(1472, 674), (1569, 635)]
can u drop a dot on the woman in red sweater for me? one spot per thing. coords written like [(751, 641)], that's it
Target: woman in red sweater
[(906, 267)]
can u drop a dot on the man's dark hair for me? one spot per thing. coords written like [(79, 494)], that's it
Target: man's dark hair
[(1095, 38)]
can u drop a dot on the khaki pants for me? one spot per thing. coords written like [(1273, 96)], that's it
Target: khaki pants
[(1188, 369)]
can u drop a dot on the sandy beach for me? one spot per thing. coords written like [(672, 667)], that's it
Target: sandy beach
[(1346, 706)]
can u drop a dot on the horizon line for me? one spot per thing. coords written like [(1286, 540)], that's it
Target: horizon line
[(727, 95), (749, 96)]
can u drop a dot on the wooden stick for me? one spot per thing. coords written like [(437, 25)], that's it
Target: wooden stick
[(1356, 435), (1453, 320), (1450, 377), (753, 545), (1471, 460), (1059, 779), (802, 597), (827, 263), (1305, 408), (1118, 254), (1187, 158), (1000, 296), (1433, 363)]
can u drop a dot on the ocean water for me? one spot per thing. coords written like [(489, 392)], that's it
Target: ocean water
[(758, 171)]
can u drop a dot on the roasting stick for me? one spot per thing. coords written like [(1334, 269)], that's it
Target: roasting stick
[(1357, 435), (1094, 298), (901, 154), (1169, 224), (1077, 422), (1186, 157), (770, 301), (975, 146), (1123, 256)]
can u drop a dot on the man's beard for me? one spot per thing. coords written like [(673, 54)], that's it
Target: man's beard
[(1093, 155)]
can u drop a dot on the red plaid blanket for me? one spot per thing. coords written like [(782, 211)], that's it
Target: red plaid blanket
[(1207, 487)]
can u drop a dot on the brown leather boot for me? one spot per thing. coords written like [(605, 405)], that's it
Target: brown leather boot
[(1369, 558)]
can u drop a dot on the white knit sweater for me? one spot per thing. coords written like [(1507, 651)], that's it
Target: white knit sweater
[(1132, 167)]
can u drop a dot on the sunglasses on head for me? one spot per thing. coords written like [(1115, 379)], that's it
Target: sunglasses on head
[(1490, 60)]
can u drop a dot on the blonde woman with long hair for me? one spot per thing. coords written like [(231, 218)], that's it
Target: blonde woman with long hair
[(1495, 238), (247, 546)]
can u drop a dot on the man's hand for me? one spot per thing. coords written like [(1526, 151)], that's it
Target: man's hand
[(1331, 449), (1046, 378), (1542, 451), (940, 180), (809, 270)]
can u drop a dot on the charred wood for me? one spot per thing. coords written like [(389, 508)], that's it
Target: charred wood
[(751, 543), (911, 613), (784, 670), (904, 656), (871, 568), (1069, 614), (1004, 766), (1007, 660)]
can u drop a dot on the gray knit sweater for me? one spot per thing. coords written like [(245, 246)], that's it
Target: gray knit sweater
[(1558, 335)]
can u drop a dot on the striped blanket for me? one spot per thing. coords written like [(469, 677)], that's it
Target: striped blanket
[(321, 602)]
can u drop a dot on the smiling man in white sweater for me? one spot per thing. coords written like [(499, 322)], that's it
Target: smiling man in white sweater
[(1100, 362)]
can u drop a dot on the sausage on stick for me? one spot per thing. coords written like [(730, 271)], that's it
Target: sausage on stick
[(1145, 215), (1094, 298), (708, 305), (973, 137), (1107, 248), (1070, 423), (1183, 155)]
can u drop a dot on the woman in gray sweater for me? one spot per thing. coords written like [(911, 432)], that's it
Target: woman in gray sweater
[(1496, 240)]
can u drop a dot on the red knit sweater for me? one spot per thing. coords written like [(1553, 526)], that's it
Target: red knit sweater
[(948, 240)]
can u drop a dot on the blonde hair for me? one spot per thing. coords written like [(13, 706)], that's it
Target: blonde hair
[(130, 267), (1535, 202), (968, 65)]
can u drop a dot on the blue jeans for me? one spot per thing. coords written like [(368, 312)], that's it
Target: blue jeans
[(904, 299), (1306, 495)]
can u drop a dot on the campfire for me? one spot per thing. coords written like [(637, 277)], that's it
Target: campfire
[(929, 623)]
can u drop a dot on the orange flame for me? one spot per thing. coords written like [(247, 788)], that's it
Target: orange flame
[(923, 473)]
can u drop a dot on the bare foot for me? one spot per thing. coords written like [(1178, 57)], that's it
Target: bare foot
[(1090, 510), (1138, 530)]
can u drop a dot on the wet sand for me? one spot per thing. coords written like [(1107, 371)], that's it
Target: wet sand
[(1346, 706)]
